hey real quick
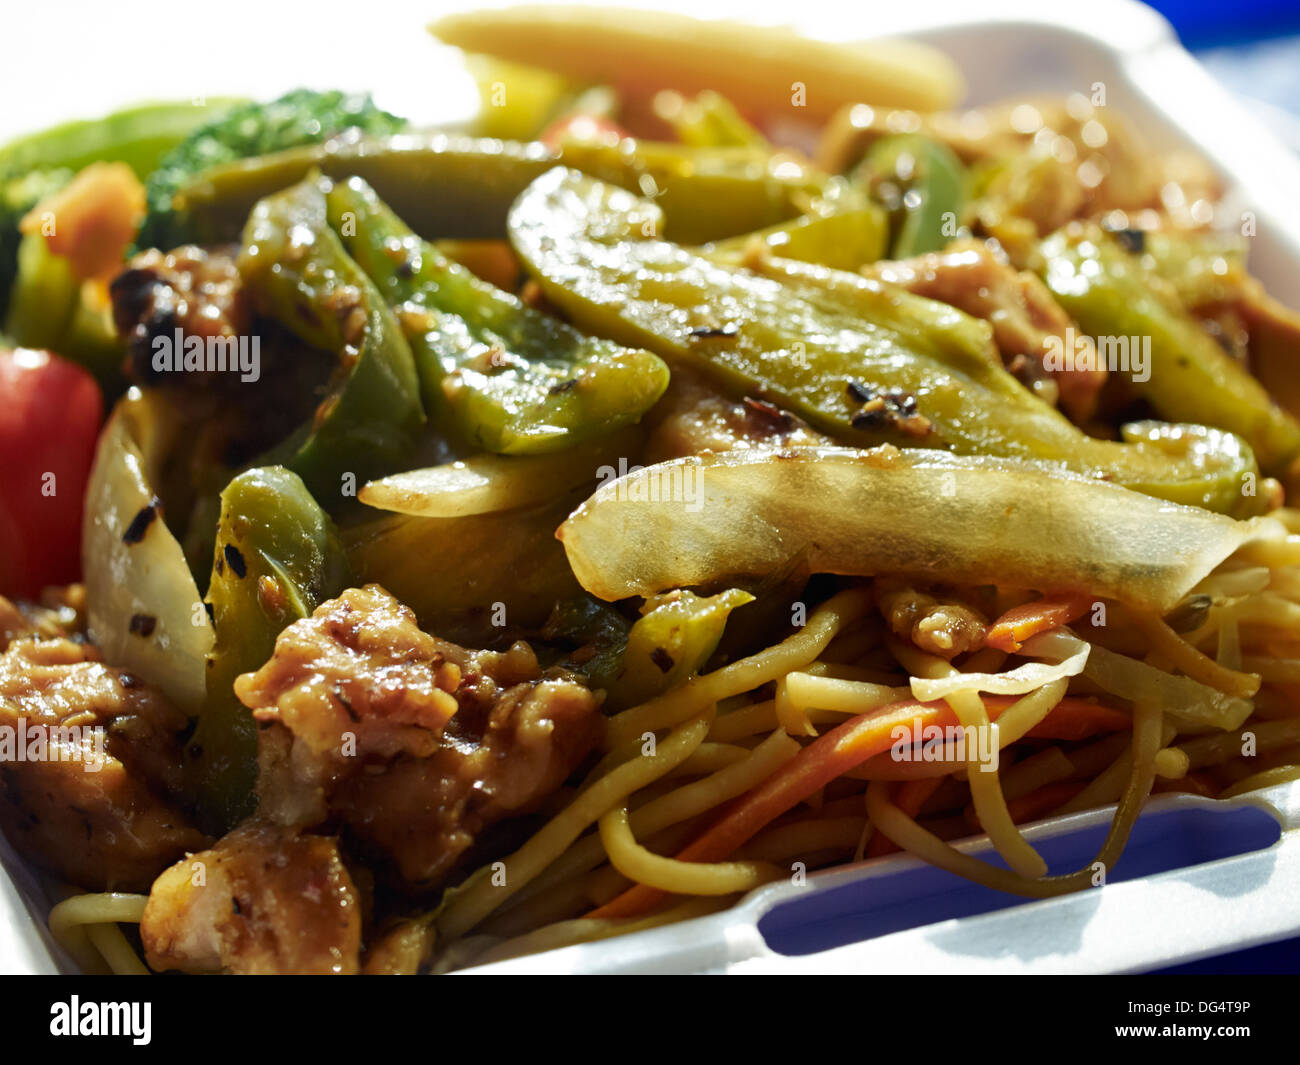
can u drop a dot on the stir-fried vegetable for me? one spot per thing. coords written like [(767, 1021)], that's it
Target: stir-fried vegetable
[(1189, 377), (142, 604), (34, 166), (707, 193), (139, 136), (863, 361), (277, 559), (921, 181), (298, 271), (518, 101), (73, 242), (1023, 622), (600, 633), (485, 483), (44, 295), (1203, 269), (495, 373), (674, 637), (707, 120), (1195, 706), (470, 578), (18, 195), (1020, 680), (843, 240), (297, 118), (924, 513)]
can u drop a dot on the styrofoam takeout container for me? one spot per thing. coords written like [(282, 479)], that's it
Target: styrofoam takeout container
[(1199, 877)]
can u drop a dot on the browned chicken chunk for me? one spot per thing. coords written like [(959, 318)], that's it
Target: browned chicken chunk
[(89, 753), (264, 900), (1023, 313), (60, 612), (414, 744), (938, 627)]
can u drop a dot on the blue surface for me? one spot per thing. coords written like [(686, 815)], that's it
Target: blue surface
[(911, 898), (1205, 23), (1252, 47)]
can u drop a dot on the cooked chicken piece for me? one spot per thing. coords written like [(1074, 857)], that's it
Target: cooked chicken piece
[(358, 680), (694, 417), (415, 744), (90, 763), (1274, 348), (400, 950), (946, 629), (13, 623), (1024, 315), (263, 900), (60, 612), (1097, 156)]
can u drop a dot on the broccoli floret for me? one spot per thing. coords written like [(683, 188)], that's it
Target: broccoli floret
[(300, 117), (18, 195)]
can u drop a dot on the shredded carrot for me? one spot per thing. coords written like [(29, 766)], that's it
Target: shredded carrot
[(1019, 623), (1078, 719), (1073, 718), (1044, 800), (829, 756)]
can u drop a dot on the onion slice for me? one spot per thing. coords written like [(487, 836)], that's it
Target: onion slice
[(484, 484), (928, 514), (143, 607), (1193, 706), (487, 483), (1026, 678)]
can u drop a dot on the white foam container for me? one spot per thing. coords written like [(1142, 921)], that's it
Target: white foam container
[(1199, 909)]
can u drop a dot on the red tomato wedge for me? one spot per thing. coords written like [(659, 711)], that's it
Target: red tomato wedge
[(49, 422)]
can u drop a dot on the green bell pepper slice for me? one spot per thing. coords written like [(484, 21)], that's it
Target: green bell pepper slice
[(923, 182), (670, 642), (498, 374), (599, 630), (843, 240), (48, 308), (277, 558), (299, 273), (44, 297)]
